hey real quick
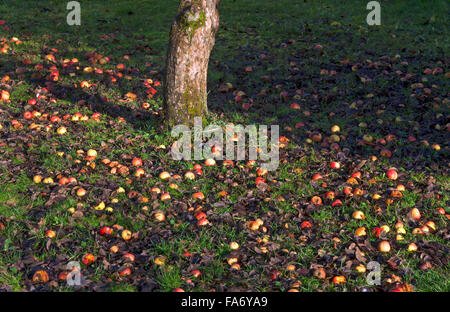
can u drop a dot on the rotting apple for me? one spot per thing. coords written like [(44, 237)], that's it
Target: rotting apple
[(88, 259), (129, 257)]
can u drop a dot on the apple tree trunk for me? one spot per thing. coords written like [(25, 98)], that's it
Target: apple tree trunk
[(192, 37)]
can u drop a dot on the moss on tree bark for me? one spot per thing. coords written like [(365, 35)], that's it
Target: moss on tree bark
[(192, 38)]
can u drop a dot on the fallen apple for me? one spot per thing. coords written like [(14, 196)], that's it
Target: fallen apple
[(106, 230), (50, 234), (392, 174), (88, 259), (129, 257), (126, 234), (415, 214), (384, 246), (339, 280), (189, 175), (320, 273), (335, 129), (198, 195), (40, 276), (358, 215), (361, 231), (137, 162), (61, 130), (360, 268), (335, 165), (37, 179), (139, 173), (159, 216), (81, 192), (160, 260), (196, 273), (4, 96), (125, 272), (203, 222), (412, 247), (431, 225), (48, 181), (91, 153), (165, 196), (164, 175)]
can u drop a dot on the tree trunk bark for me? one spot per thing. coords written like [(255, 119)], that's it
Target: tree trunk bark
[(192, 38)]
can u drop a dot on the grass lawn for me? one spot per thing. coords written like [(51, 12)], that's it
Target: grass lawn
[(386, 87)]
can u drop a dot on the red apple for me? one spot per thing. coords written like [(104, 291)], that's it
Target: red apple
[(106, 230), (200, 215), (125, 272), (137, 162), (306, 224), (4, 96), (335, 165), (88, 259), (50, 234), (196, 273), (198, 195)]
